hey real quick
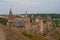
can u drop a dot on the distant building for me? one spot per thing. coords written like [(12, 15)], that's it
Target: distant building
[(13, 21)]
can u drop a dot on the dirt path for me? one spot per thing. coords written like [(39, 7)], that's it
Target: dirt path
[(11, 34), (2, 34)]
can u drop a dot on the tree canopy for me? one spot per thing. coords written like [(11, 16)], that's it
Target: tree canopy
[(3, 21)]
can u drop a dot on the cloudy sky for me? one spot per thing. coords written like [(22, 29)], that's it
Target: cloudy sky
[(32, 6)]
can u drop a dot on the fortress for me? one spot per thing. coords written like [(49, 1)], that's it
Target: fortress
[(37, 25), (44, 27)]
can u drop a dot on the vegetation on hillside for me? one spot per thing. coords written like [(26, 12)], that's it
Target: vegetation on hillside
[(56, 23), (27, 34), (44, 15), (33, 36), (3, 21)]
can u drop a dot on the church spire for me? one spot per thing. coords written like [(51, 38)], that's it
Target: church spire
[(10, 12), (10, 16)]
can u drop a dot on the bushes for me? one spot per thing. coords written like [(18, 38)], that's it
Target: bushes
[(3, 21), (58, 36), (55, 23), (27, 34)]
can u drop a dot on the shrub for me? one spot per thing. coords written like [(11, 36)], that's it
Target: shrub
[(27, 34), (3, 21)]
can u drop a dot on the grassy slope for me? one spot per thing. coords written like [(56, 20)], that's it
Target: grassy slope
[(33, 36), (38, 37)]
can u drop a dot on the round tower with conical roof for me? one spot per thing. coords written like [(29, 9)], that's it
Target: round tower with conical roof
[(10, 18), (49, 23)]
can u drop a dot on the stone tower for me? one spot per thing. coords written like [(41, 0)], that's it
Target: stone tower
[(49, 23), (27, 19), (10, 18), (26, 14), (39, 20), (32, 18), (26, 22)]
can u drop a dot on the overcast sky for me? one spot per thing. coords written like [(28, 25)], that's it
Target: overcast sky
[(32, 6)]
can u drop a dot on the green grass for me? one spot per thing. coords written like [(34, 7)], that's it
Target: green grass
[(33, 36), (27, 34)]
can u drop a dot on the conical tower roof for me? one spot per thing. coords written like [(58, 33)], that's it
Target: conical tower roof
[(10, 13), (11, 16)]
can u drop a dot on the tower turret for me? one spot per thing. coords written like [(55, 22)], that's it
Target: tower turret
[(49, 23), (26, 14), (32, 18), (10, 18)]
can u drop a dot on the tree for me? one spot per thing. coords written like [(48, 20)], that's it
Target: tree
[(3, 21)]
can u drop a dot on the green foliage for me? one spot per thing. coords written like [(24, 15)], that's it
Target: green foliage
[(27, 34), (44, 15), (52, 15), (44, 34), (55, 23), (59, 37), (3, 21)]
